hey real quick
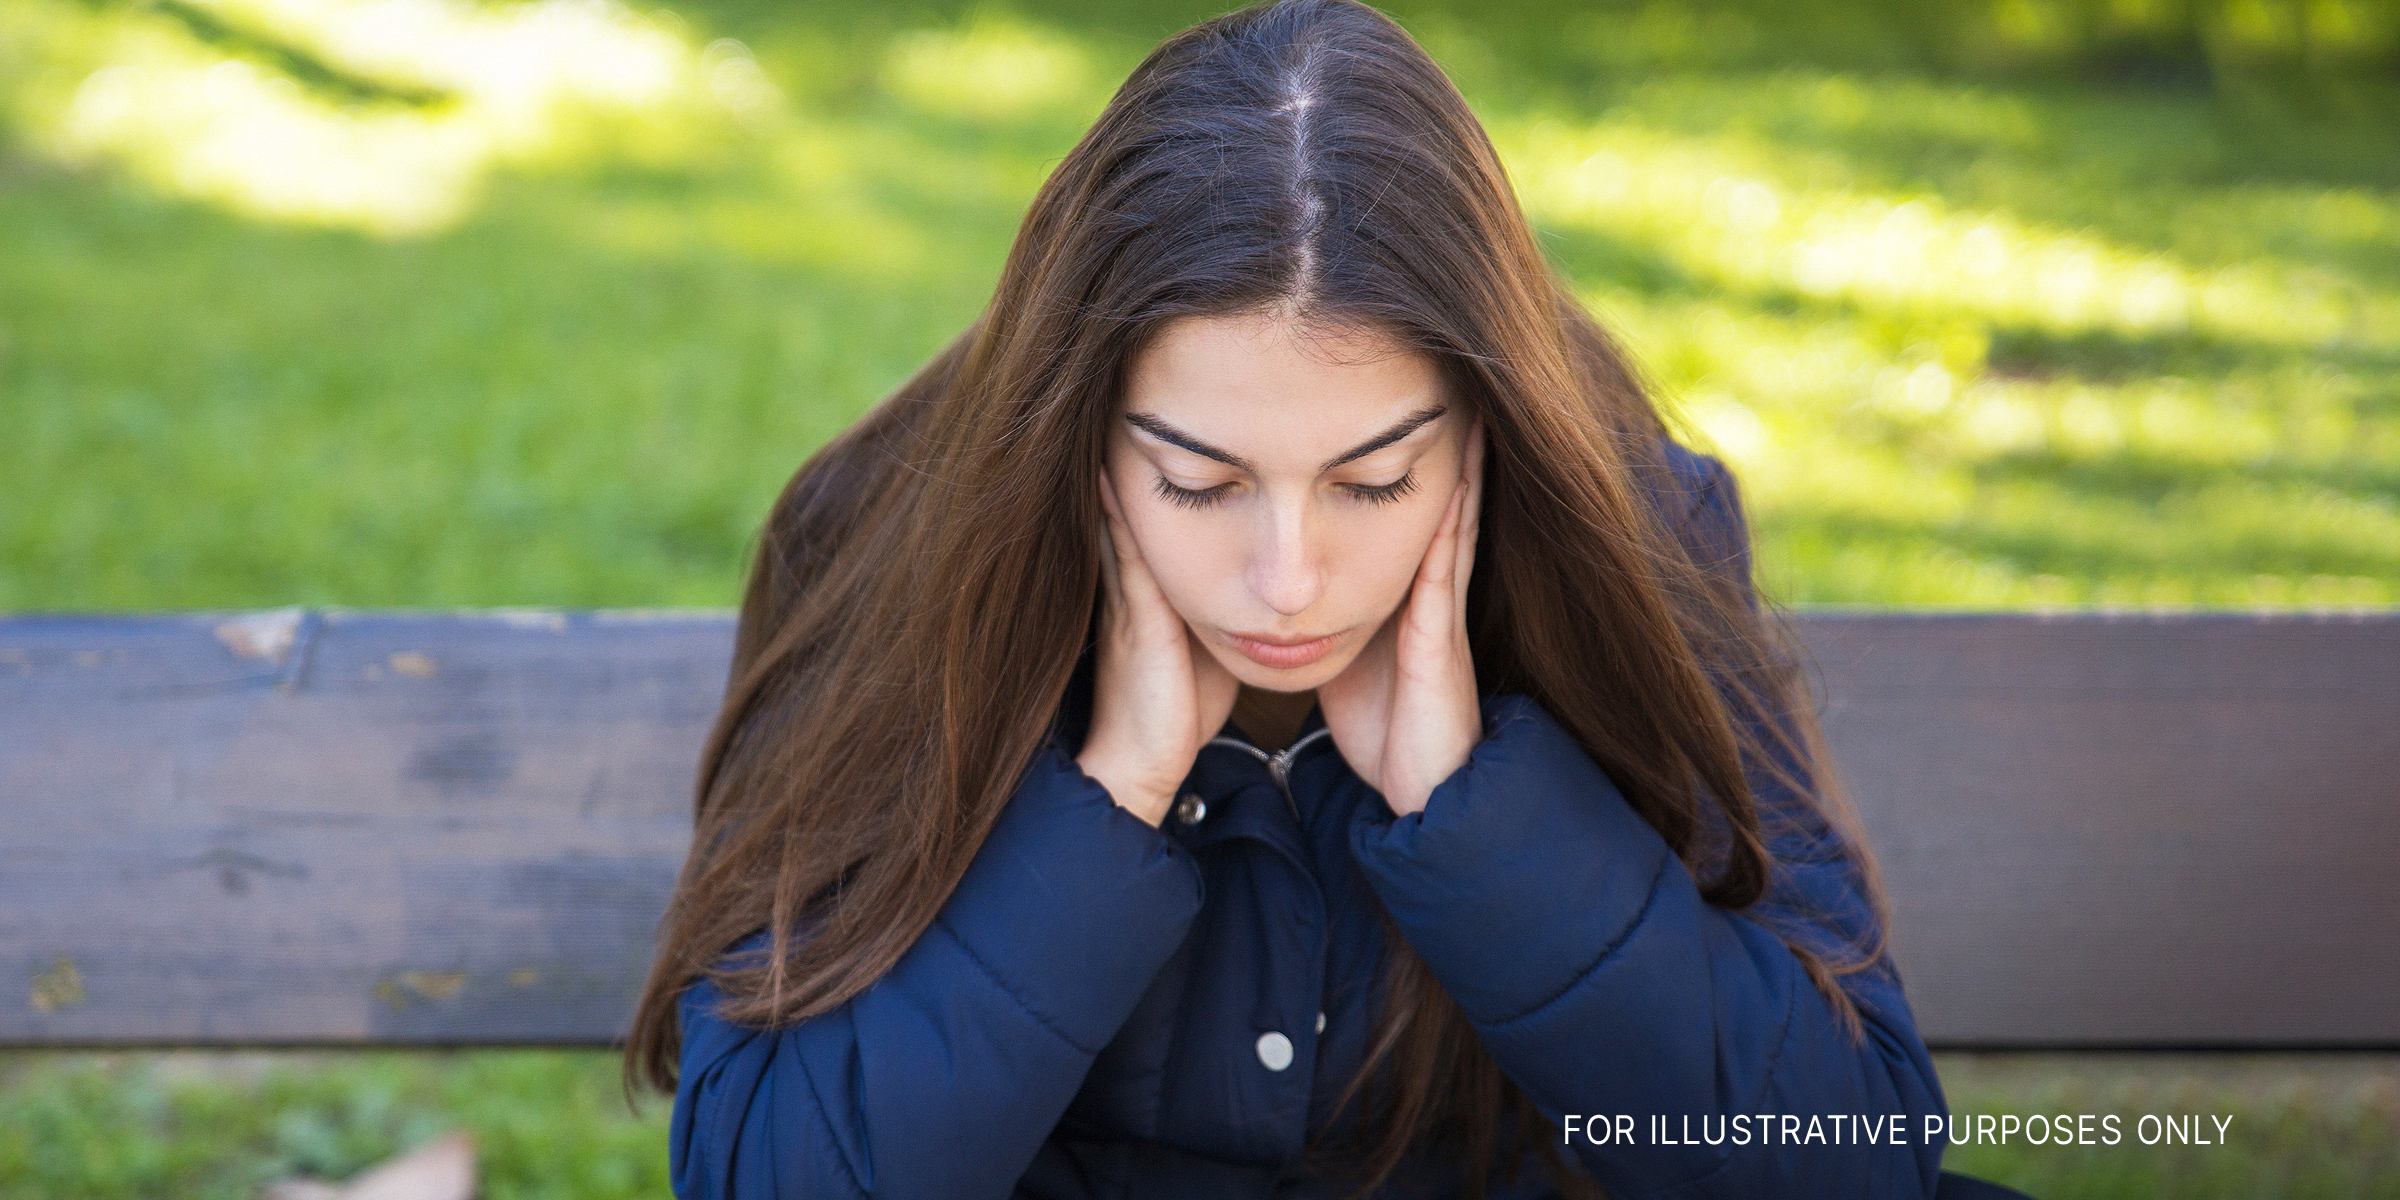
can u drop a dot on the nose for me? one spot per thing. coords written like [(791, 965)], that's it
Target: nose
[(1285, 569)]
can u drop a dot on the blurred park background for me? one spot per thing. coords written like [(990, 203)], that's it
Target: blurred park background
[(416, 303)]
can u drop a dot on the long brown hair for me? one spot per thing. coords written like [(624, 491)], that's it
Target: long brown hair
[(928, 582)]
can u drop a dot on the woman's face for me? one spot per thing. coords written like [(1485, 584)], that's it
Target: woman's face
[(1283, 486)]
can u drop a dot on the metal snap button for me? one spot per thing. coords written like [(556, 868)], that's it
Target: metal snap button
[(1275, 1051), (1320, 1022), (1191, 808)]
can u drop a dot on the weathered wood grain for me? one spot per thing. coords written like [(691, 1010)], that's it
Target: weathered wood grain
[(413, 828), (2139, 830), (425, 828)]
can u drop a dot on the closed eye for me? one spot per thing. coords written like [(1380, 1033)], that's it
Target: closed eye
[(1385, 493), (1189, 498)]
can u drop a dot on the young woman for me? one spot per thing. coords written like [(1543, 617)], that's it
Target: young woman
[(1268, 711)]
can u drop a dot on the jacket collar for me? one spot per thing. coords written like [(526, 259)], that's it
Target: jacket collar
[(1074, 719), (1314, 721), (1231, 780), (1236, 781)]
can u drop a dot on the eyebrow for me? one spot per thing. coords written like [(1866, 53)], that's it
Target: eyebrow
[(1167, 433)]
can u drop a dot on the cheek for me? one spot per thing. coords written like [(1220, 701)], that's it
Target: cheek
[(1380, 556), (1192, 559)]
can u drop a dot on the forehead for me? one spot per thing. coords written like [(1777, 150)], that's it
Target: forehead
[(1270, 390)]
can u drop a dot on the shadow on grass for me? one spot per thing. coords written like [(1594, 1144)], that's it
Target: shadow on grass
[(587, 391), (2112, 545)]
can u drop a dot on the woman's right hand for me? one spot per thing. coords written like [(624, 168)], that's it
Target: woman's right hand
[(1157, 694)]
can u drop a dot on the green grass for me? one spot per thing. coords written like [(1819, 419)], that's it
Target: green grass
[(2299, 1127), (1992, 303), (1972, 339), (548, 1125)]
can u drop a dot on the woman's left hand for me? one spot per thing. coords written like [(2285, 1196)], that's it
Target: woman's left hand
[(1405, 712)]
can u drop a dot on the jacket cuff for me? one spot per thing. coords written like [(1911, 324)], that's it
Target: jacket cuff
[(1073, 904), (1525, 868)]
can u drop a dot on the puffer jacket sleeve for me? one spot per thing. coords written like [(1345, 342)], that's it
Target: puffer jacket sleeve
[(1580, 948), (943, 1079)]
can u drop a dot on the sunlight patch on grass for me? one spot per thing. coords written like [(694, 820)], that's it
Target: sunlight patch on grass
[(991, 68), (1883, 464), (1932, 397), (1719, 210), (471, 88), (1965, 345)]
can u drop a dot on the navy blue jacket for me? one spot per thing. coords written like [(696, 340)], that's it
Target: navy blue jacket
[(1106, 1009)]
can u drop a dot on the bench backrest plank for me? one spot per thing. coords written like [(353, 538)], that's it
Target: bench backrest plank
[(2160, 831), (429, 828)]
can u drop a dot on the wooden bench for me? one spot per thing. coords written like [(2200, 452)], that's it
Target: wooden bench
[(306, 827)]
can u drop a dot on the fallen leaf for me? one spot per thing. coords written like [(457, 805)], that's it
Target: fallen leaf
[(433, 985), (267, 636), (300, 1189), (442, 1169), (59, 987)]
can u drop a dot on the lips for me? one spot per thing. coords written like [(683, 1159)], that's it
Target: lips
[(1283, 653)]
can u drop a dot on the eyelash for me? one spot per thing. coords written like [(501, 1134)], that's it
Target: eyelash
[(1384, 494)]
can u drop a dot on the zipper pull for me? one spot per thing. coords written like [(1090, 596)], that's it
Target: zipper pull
[(1279, 766)]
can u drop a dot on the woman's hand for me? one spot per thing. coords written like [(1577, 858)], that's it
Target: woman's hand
[(1405, 712), (1157, 694)]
